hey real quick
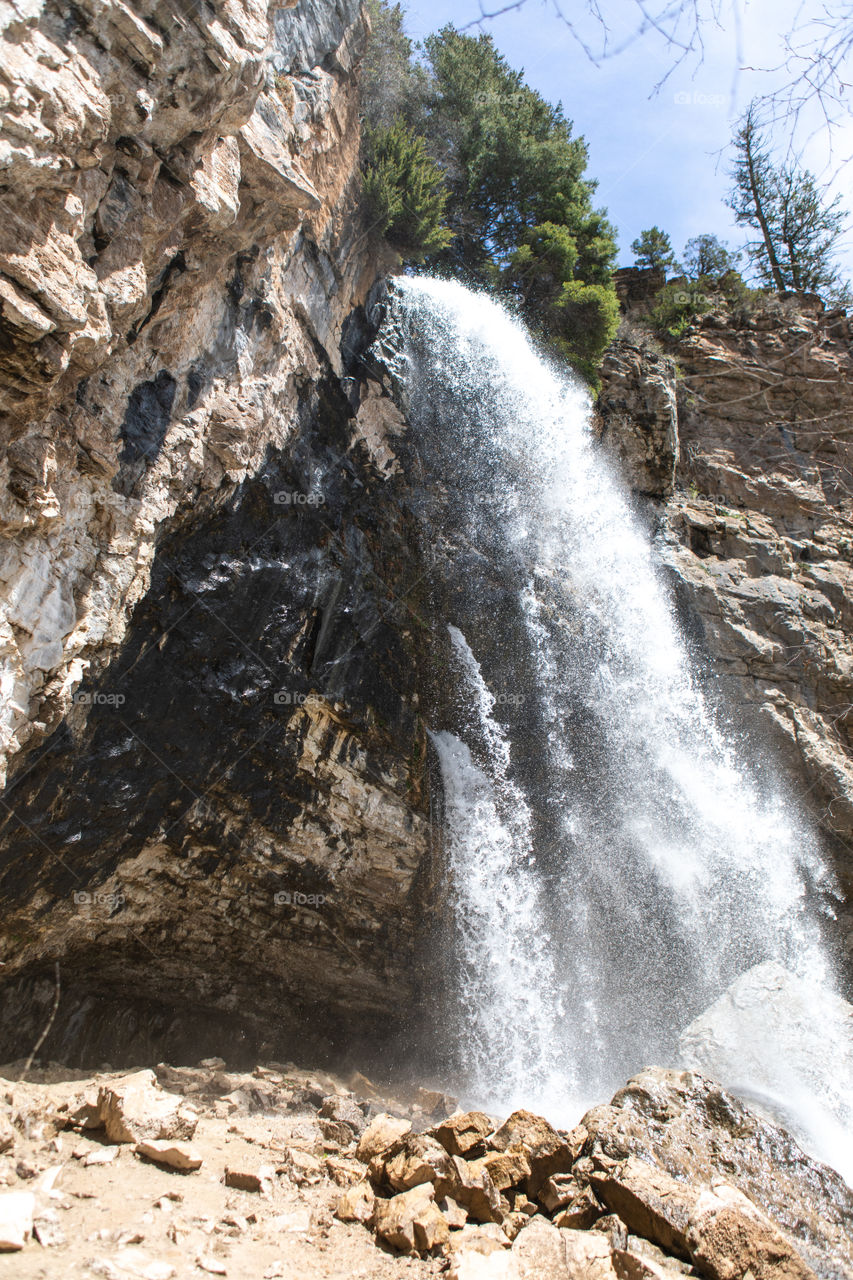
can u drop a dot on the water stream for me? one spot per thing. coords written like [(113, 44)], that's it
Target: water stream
[(617, 859)]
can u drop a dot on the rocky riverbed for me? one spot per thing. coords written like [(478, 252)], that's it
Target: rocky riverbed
[(169, 1172)]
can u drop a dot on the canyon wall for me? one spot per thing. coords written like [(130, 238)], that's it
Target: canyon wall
[(739, 441), (211, 650)]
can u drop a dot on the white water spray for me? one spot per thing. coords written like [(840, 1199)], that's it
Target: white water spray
[(616, 864)]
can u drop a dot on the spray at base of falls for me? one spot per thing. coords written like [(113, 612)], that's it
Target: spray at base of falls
[(615, 862)]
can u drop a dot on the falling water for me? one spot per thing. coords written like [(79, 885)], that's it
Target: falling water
[(617, 860)]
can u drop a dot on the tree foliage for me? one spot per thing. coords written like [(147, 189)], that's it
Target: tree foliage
[(707, 256), (797, 227), (392, 81), (403, 190), (653, 248), (519, 207)]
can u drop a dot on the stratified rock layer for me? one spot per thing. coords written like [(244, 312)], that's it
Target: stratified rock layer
[(211, 651), (755, 524)]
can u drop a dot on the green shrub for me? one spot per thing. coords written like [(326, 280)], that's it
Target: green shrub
[(679, 305), (586, 320), (404, 191)]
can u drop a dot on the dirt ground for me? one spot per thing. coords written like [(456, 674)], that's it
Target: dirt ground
[(128, 1217)]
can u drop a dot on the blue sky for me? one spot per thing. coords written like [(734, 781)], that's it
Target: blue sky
[(660, 158)]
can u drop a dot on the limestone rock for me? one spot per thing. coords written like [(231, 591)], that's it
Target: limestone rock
[(175, 1155), (411, 1221), (343, 1110), (356, 1204), (558, 1191), (381, 1134), (456, 1214), (637, 1266), (638, 416), (470, 1185), (133, 1108), (581, 1213), (303, 1167), (545, 1252), (7, 1135), (464, 1134), (729, 1236), (783, 1034), (509, 1168), (548, 1152), (486, 1238), (261, 1179), (690, 1129), (420, 1159), (16, 1219)]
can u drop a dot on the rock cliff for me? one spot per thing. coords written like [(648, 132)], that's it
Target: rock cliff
[(740, 440), (210, 654)]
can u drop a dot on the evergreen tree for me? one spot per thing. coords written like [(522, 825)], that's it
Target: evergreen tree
[(403, 190), (519, 207), (798, 227), (707, 256), (653, 248)]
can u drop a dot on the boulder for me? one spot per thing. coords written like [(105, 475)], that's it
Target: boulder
[(417, 1159), (357, 1203), (471, 1186), (548, 1152), (582, 1212), (16, 1219), (134, 1108), (485, 1238), (510, 1168), (434, 1103), (302, 1167), (464, 1134), (545, 1252), (729, 1238), (456, 1214), (557, 1192), (698, 1133), (174, 1155), (781, 1043), (380, 1135), (718, 1230), (637, 1266), (411, 1221), (650, 1202), (341, 1109)]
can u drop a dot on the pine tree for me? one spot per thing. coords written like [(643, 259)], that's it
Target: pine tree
[(707, 256), (653, 248), (798, 226)]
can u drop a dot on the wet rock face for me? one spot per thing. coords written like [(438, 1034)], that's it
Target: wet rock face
[(235, 824), (637, 416), (216, 807), (669, 1125), (757, 534)]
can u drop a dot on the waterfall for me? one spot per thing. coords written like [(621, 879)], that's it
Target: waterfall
[(617, 858)]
